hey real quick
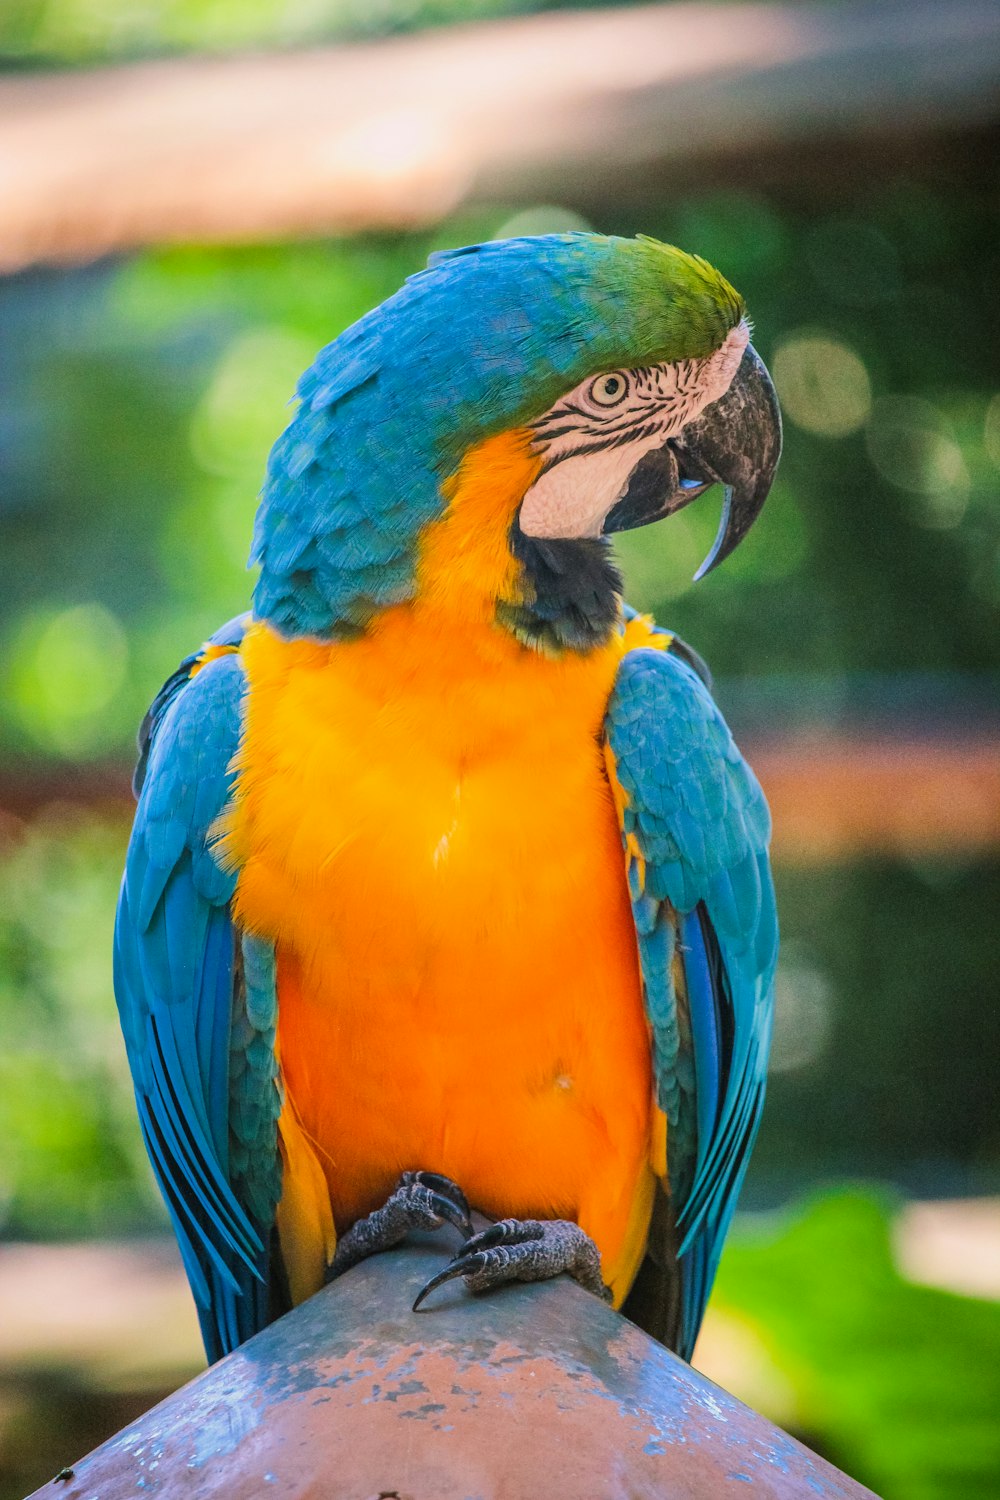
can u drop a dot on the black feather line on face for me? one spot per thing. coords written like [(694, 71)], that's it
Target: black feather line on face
[(600, 444), (572, 593)]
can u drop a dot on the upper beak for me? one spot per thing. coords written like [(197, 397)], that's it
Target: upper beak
[(736, 442)]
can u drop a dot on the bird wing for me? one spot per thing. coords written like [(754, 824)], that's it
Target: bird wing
[(695, 827), (197, 1000)]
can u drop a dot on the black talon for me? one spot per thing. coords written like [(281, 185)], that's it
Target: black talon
[(446, 1209), (457, 1267), (505, 1232), (448, 1198), (420, 1200), (439, 1184), (523, 1250)]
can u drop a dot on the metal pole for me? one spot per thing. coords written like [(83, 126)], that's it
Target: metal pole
[(534, 1391)]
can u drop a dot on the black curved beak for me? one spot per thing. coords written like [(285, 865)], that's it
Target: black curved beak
[(736, 442)]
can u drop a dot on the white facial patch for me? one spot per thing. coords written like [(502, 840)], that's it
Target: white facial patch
[(593, 437)]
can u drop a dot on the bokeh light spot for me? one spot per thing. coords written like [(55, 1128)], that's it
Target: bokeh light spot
[(823, 384), (991, 431), (913, 448), (246, 404), (802, 1013), (67, 667), (542, 218)]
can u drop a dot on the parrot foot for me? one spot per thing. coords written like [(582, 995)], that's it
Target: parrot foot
[(524, 1250), (420, 1200)]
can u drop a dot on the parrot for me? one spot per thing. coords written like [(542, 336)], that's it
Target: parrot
[(448, 889)]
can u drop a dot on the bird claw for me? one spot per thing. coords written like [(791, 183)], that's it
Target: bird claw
[(523, 1250), (420, 1200), (447, 1203)]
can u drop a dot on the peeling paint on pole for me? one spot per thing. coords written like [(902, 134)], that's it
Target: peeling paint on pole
[(535, 1391)]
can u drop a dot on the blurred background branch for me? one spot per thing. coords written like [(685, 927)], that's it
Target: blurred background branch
[(193, 198), (398, 133)]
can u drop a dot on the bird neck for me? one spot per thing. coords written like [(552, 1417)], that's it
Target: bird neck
[(476, 566)]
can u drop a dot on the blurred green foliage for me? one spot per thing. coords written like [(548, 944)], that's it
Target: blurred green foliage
[(896, 1383), (140, 401), (886, 1048), (72, 1162)]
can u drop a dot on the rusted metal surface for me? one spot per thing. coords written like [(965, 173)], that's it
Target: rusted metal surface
[(533, 1391)]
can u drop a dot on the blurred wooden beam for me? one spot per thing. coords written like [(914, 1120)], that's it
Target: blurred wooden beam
[(398, 133), (840, 799), (119, 1313), (953, 1244), (832, 798)]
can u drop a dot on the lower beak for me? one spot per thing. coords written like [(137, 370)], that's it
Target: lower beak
[(736, 442)]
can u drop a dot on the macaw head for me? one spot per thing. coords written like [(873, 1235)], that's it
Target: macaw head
[(523, 399)]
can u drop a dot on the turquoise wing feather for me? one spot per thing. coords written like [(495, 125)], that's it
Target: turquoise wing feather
[(197, 1002), (696, 830)]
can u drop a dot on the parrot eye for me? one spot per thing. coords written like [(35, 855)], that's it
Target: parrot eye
[(609, 390)]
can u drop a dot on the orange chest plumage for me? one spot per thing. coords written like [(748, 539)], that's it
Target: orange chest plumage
[(425, 829)]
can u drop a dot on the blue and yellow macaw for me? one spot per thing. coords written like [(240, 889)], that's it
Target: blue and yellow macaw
[(379, 956)]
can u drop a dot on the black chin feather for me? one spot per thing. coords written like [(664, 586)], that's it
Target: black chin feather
[(572, 592)]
